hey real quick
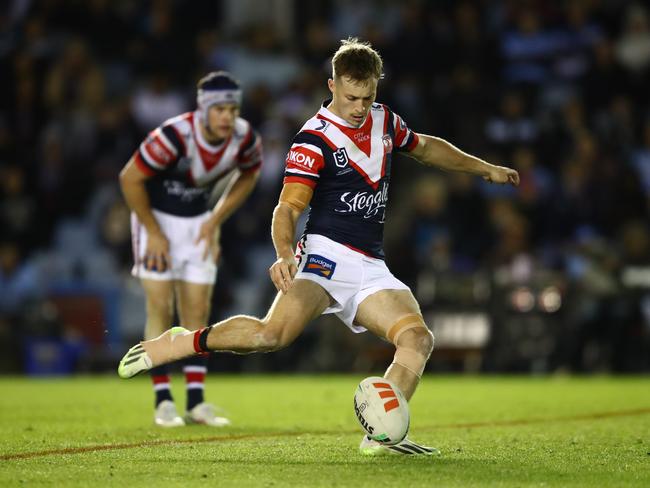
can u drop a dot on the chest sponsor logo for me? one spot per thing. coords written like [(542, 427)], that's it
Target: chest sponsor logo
[(369, 204), (300, 159), (319, 266), (341, 157), (178, 189)]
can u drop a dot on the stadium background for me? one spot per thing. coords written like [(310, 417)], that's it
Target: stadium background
[(551, 276)]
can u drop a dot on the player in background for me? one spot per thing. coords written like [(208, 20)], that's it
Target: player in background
[(340, 166), (167, 184)]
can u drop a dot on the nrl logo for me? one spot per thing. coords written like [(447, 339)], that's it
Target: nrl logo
[(341, 157)]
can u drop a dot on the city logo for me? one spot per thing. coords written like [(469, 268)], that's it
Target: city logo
[(361, 137), (341, 157), (319, 266)]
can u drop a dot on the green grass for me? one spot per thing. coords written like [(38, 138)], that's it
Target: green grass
[(301, 431)]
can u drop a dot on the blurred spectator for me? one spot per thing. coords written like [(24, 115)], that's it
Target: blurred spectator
[(605, 78), (156, 101), (512, 126), (527, 48), (261, 60), (75, 84), (17, 207), (641, 162), (633, 47)]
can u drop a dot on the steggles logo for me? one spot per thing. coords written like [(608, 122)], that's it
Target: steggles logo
[(362, 201)]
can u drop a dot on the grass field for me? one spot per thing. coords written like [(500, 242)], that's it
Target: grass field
[(301, 431)]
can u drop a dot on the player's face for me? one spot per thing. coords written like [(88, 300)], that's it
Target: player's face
[(221, 120), (351, 99)]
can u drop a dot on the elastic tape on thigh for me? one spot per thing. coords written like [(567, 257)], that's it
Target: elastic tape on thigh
[(407, 322), (410, 359)]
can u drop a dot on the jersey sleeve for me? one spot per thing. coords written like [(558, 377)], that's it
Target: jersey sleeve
[(249, 157), (161, 150), (304, 161), (405, 138)]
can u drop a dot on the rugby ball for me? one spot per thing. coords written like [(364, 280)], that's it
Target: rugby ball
[(382, 410)]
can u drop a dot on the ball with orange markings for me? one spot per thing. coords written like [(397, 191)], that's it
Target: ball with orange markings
[(382, 410)]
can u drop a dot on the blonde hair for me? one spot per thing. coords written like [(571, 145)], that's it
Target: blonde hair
[(358, 60)]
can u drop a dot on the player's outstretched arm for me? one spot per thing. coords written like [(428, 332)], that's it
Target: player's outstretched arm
[(294, 199), (433, 151)]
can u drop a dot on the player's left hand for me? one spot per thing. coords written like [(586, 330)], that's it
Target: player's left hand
[(502, 175), (211, 233)]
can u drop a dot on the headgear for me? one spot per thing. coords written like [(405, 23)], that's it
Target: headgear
[(216, 88)]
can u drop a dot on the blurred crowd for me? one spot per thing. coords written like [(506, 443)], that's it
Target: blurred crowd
[(558, 90)]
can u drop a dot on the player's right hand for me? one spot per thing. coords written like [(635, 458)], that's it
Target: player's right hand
[(157, 256), (282, 273)]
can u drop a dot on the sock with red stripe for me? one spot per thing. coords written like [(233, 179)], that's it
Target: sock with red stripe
[(195, 369), (161, 384)]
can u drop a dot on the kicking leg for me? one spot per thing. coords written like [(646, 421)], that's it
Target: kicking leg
[(241, 334), (286, 319)]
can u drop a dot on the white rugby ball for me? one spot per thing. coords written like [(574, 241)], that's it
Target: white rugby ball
[(382, 410)]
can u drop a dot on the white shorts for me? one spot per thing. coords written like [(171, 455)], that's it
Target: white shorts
[(348, 276), (187, 257)]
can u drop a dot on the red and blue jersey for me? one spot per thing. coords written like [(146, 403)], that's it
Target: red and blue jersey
[(349, 170), (184, 166)]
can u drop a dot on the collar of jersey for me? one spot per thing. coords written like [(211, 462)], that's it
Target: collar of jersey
[(332, 117), (202, 142)]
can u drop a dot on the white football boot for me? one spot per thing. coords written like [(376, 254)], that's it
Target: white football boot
[(206, 414), (173, 344), (368, 447), (166, 415)]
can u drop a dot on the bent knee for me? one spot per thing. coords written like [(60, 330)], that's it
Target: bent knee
[(267, 339), (419, 339), (272, 336), (413, 350)]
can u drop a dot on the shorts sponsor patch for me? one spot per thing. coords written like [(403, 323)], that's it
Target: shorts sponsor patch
[(319, 266)]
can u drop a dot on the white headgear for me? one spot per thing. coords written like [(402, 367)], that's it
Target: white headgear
[(206, 98)]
